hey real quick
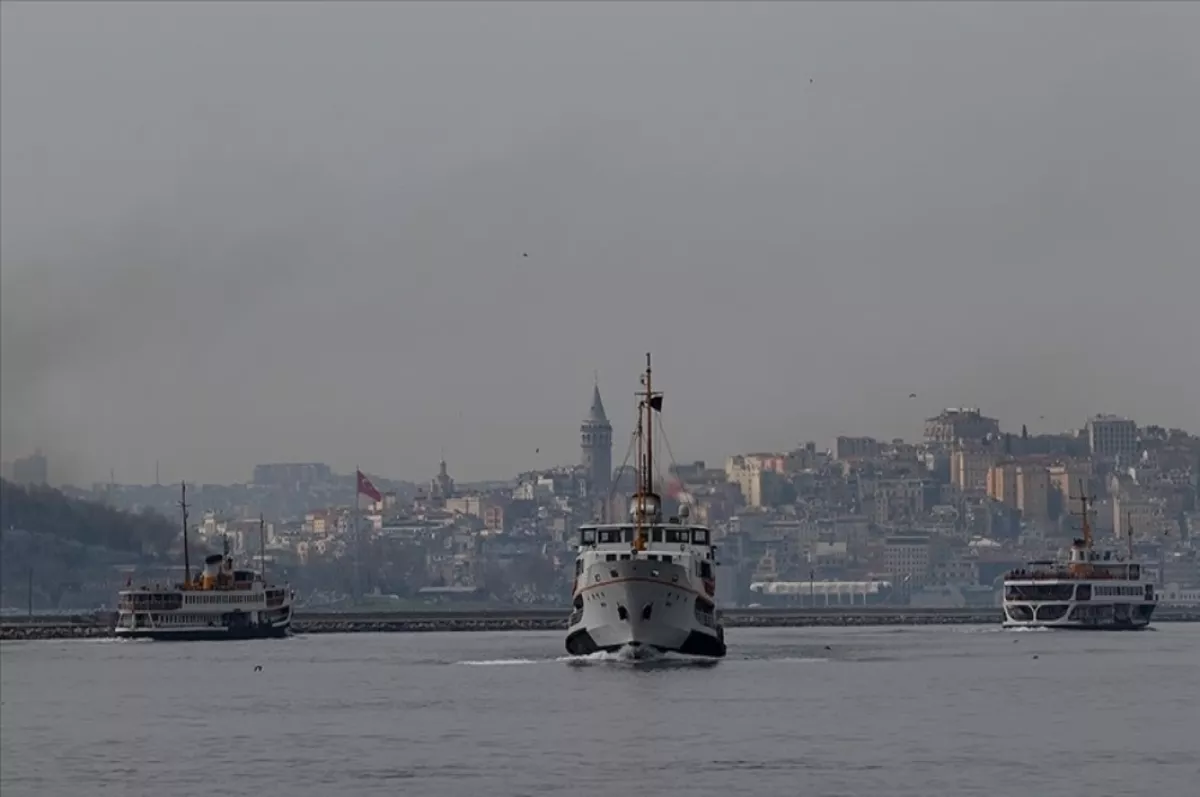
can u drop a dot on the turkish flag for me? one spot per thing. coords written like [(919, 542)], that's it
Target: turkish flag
[(366, 488)]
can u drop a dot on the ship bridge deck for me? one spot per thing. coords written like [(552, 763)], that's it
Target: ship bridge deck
[(657, 535)]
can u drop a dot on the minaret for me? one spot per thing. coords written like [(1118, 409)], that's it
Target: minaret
[(595, 443), (442, 486)]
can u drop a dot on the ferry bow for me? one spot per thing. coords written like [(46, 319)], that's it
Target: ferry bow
[(649, 583)]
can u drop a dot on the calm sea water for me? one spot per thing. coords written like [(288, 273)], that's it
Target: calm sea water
[(889, 711)]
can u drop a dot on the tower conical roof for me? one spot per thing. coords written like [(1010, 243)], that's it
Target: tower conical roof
[(597, 414)]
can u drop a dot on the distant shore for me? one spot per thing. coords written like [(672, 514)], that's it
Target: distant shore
[(83, 627)]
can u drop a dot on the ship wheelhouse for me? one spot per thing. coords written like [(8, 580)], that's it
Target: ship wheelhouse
[(625, 535)]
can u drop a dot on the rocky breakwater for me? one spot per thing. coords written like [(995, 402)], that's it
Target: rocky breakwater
[(551, 620), (850, 617), (556, 620), (22, 631), (385, 623)]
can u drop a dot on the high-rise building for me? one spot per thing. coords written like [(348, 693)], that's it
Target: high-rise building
[(855, 447), (31, 469), (957, 423), (1072, 480), (1002, 483), (969, 465), (1111, 436), (292, 474), (906, 559), (756, 475), (1033, 492), (595, 445), (1021, 485)]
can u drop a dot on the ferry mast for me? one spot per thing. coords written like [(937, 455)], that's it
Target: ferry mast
[(1129, 534), (645, 500), (1085, 524), (183, 506)]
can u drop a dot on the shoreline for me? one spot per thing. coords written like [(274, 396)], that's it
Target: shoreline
[(304, 623)]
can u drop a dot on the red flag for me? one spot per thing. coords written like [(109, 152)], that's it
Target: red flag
[(366, 488)]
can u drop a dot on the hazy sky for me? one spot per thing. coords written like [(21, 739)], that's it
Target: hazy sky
[(244, 233)]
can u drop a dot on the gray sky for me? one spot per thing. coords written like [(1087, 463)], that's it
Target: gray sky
[(236, 234)]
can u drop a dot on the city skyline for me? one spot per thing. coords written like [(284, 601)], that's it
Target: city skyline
[(238, 234), (581, 459)]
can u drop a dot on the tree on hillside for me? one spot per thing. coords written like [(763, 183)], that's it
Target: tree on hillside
[(44, 510)]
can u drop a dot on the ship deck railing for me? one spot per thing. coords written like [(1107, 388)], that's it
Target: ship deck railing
[(1064, 575)]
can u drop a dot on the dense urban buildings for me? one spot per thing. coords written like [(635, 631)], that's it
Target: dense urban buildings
[(857, 521)]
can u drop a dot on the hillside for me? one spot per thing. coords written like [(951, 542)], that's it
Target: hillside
[(69, 543), (45, 510)]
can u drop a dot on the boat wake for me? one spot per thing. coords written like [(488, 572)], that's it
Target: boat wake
[(628, 655), (502, 662), (986, 629), (641, 657)]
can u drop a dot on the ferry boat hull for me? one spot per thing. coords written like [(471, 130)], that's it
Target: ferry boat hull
[(1080, 616), (204, 634), (644, 605), (140, 625)]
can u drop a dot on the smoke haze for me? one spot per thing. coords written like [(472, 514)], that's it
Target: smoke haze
[(247, 233)]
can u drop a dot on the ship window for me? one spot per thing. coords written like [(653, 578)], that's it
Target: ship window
[(588, 536), (612, 557), (610, 536), (656, 535), (699, 537), (668, 558), (1041, 592)]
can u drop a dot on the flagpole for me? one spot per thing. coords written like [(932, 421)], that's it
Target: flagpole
[(357, 485)]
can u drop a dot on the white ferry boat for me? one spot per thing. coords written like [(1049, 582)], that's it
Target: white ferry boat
[(221, 603), (1091, 589), (650, 583)]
